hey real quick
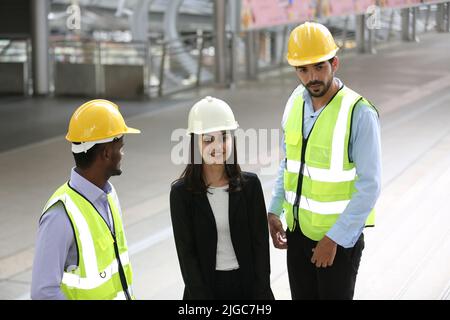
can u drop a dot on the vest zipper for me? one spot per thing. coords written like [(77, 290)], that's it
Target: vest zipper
[(296, 206), (123, 279)]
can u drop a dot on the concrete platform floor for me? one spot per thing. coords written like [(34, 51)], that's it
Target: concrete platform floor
[(407, 255)]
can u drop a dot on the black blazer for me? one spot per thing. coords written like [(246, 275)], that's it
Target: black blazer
[(195, 235)]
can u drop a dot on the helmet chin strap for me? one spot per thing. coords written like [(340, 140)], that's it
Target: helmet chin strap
[(85, 146)]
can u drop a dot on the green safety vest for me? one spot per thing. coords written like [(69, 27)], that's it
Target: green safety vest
[(319, 178), (104, 270)]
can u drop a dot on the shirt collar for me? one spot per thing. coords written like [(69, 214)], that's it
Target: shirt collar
[(308, 102), (87, 188)]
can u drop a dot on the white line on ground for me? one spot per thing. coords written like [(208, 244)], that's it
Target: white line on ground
[(150, 241)]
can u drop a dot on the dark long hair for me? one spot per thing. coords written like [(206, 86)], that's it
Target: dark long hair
[(192, 175)]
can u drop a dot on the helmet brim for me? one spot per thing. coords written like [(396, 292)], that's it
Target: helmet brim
[(311, 60), (213, 129), (132, 130)]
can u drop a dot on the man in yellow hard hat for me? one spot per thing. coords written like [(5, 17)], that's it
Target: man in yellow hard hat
[(329, 181), (81, 250)]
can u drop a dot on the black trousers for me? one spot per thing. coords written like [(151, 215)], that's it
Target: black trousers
[(309, 282), (228, 285)]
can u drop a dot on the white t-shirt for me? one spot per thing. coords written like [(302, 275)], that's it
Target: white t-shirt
[(225, 258)]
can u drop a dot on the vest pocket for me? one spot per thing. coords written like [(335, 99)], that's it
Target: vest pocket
[(105, 241), (318, 155), (292, 137), (329, 191)]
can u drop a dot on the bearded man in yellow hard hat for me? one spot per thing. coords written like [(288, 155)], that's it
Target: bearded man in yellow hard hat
[(81, 250), (329, 181)]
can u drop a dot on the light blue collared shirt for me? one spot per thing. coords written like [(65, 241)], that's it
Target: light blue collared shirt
[(55, 249), (365, 152)]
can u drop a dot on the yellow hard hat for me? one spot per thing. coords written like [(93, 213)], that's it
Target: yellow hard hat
[(309, 43), (97, 120), (210, 115)]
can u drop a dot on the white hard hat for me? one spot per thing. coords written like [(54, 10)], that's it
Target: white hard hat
[(210, 115)]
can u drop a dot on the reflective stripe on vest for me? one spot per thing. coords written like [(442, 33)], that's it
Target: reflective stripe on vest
[(327, 176), (73, 280), (321, 174), (98, 275), (317, 206)]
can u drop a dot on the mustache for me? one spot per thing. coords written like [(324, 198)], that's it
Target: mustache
[(314, 82)]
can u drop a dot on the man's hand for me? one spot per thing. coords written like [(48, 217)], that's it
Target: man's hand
[(324, 253), (277, 232)]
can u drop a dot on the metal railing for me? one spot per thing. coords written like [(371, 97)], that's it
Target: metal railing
[(169, 66), (172, 74), (163, 72), (98, 55), (15, 73)]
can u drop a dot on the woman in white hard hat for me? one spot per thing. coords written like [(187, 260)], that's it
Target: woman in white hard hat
[(218, 214)]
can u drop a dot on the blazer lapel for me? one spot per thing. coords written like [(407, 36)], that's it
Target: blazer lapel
[(202, 202)]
